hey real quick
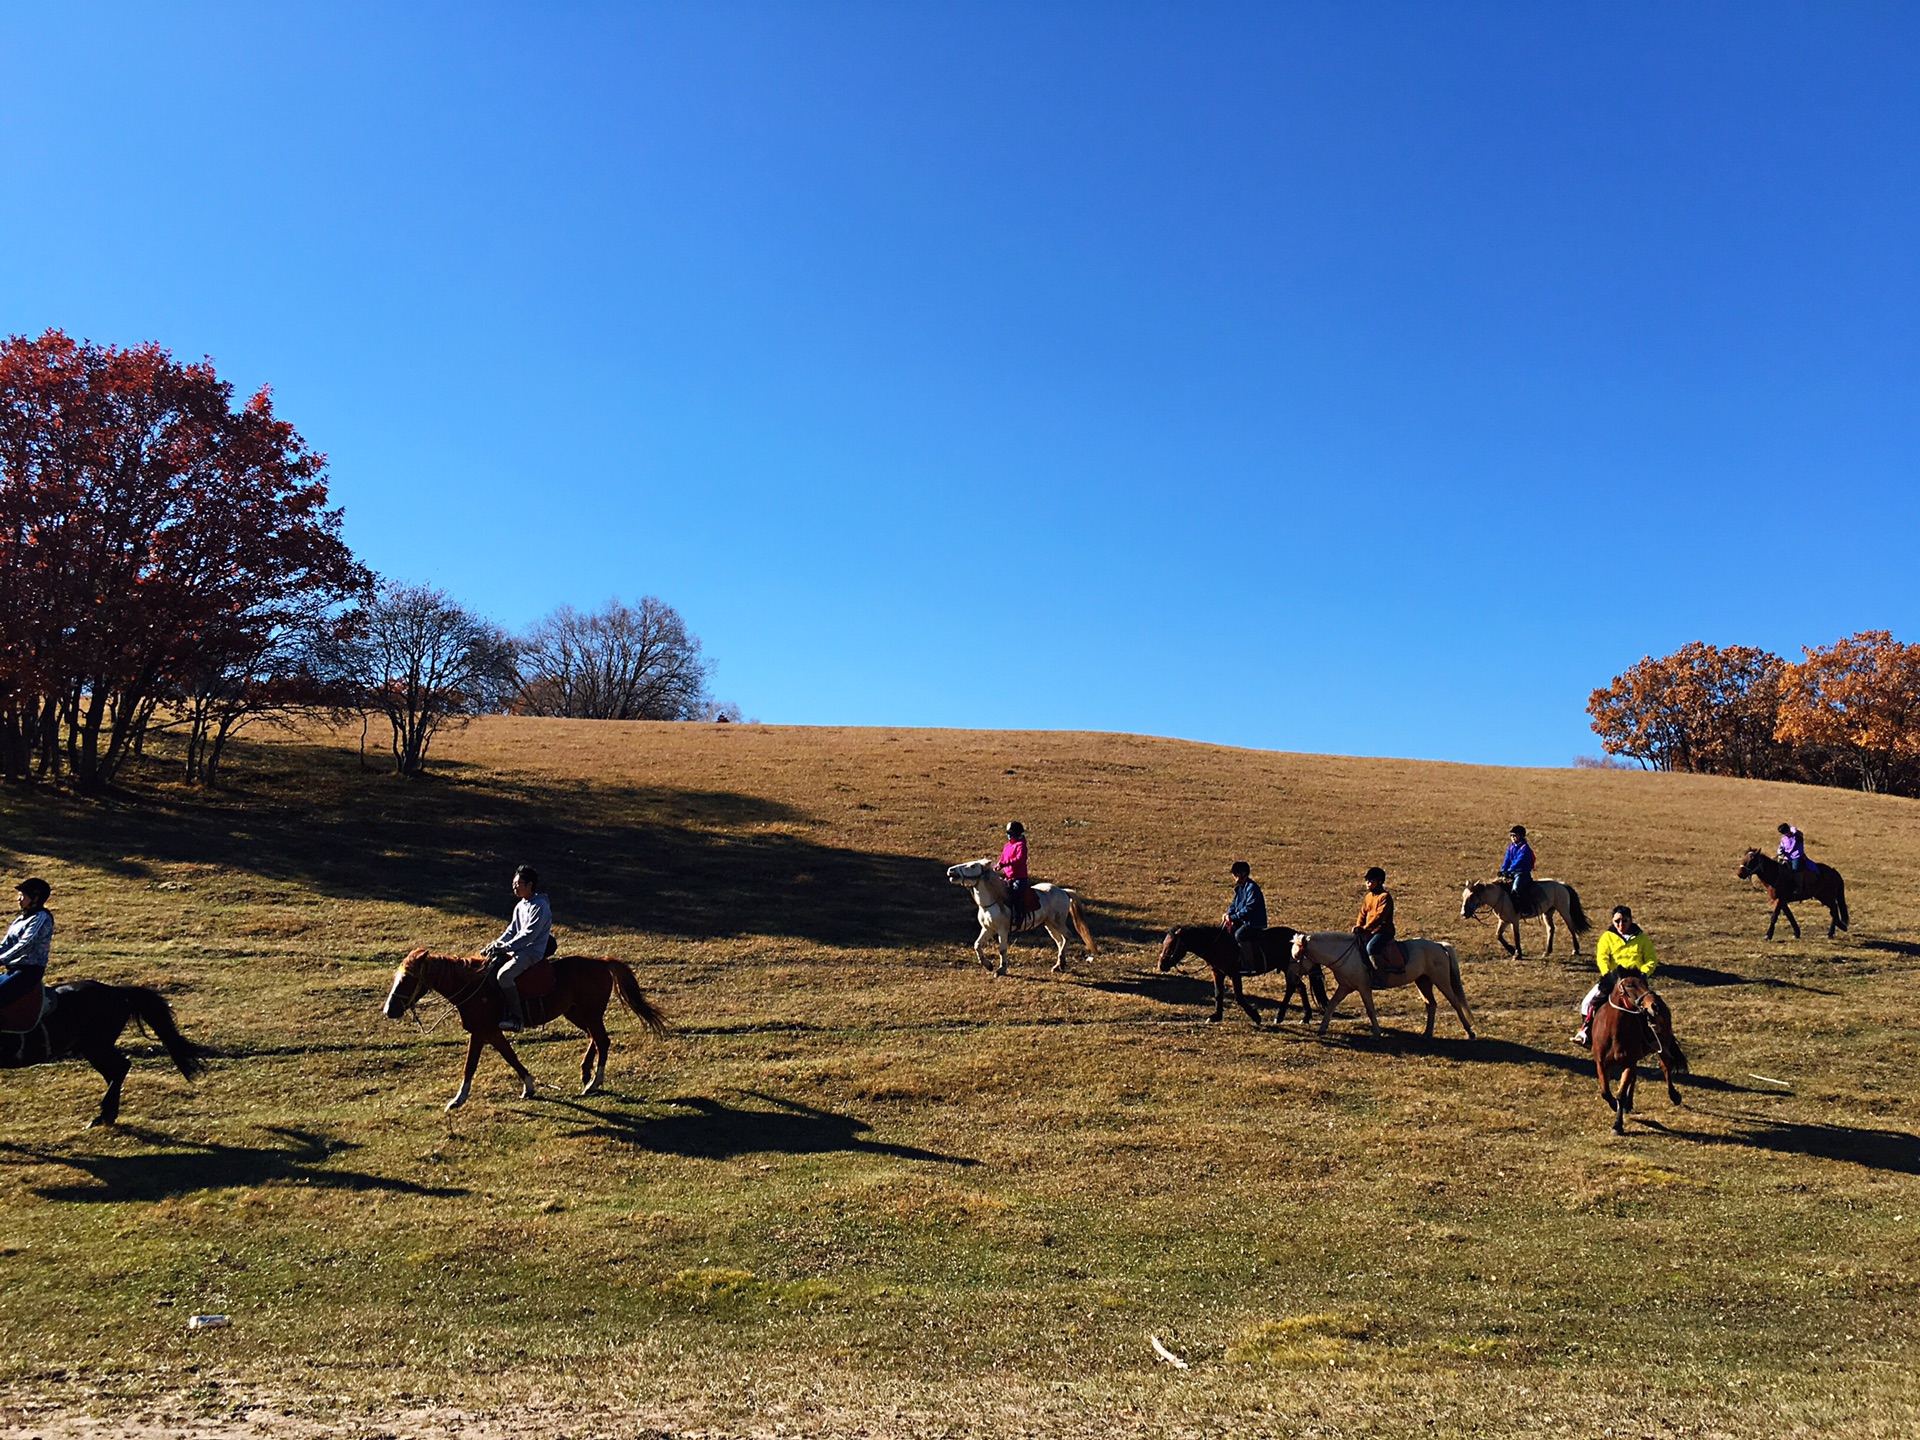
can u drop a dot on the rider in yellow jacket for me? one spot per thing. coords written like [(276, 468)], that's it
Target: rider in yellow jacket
[(1622, 947)]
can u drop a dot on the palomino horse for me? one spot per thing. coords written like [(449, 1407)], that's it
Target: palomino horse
[(1431, 964), (86, 1020), (1824, 886), (582, 985), (1630, 1024), (1551, 898), (1216, 945), (1059, 908)]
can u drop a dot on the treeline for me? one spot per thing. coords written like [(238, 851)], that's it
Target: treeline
[(169, 562), (1845, 714)]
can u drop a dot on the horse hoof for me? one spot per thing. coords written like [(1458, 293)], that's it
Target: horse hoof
[(456, 1102)]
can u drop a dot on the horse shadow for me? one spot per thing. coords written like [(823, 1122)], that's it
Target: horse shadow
[(1486, 1050), (699, 1127), (1890, 1150), (190, 1167), (1905, 948), (1706, 977)]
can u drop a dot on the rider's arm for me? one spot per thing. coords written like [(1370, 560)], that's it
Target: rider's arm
[(31, 945)]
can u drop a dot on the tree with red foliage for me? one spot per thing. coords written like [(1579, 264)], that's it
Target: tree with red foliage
[(146, 527), (1707, 708)]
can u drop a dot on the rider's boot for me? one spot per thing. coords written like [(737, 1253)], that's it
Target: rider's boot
[(515, 1020)]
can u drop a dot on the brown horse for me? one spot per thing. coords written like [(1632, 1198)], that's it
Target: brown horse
[(1630, 1023), (1216, 946), (1823, 885), (576, 986)]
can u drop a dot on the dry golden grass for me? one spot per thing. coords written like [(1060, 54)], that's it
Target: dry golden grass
[(867, 1189)]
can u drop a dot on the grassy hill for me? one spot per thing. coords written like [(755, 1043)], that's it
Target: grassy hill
[(865, 1188)]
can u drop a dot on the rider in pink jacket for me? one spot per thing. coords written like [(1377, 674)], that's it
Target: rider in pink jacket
[(1013, 864)]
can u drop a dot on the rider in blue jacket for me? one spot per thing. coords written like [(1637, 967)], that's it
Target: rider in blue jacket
[(1516, 866), (1247, 916)]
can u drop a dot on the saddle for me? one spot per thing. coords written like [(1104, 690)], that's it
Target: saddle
[(29, 1012), (1393, 958), (1025, 903)]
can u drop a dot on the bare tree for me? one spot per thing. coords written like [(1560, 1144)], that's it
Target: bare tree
[(423, 660), (623, 662)]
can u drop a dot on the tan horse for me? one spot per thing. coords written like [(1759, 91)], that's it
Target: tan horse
[(1554, 899), (1059, 908), (1431, 965)]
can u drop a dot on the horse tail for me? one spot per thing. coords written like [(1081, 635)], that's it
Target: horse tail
[(1080, 923), (150, 1008), (634, 1000), (1576, 916), (1453, 976)]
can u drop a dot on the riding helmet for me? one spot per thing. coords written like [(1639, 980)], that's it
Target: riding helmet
[(1375, 873), (1519, 830), (1015, 830), (1240, 867)]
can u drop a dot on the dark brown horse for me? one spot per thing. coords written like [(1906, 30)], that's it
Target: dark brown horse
[(86, 1021), (1221, 951), (1822, 885), (576, 986), (1630, 1023)]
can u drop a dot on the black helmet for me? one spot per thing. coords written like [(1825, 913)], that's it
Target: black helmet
[(1240, 867), (35, 889), (1015, 830), (1519, 830), (1786, 829), (1375, 873)]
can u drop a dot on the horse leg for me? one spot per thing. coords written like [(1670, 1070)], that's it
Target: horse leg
[(505, 1047), (1245, 1004), (1426, 989), (1004, 936), (1459, 1003), (1833, 920), (113, 1067), (1059, 938), (1552, 931), (1340, 992), (1366, 999), (1500, 934), (979, 944), (593, 1065), (1606, 1085), (1787, 910), (1219, 997), (474, 1046)]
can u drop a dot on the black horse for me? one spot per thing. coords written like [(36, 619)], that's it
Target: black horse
[(1215, 945), (86, 1021), (1822, 885)]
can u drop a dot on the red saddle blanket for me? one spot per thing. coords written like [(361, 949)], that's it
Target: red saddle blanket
[(23, 1013), (538, 982)]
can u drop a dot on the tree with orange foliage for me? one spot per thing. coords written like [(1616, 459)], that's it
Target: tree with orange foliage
[(1859, 697), (1707, 708)]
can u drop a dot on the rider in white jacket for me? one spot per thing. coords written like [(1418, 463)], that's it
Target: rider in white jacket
[(523, 943)]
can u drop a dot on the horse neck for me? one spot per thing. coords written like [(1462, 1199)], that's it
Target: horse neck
[(992, 884), (447, 975)]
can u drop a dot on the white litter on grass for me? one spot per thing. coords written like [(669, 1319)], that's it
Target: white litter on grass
[(1167, 1355), (1753, 1074), (207, 1322)]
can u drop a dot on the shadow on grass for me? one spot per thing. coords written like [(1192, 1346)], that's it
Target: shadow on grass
[(1485, 1050), (1707, 977), (702, 1128), (1892, 947), (188, 1168), (1891, 1150), (689, 862)]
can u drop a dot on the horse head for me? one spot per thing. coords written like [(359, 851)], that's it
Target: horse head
[(1302, 958), (968, 873), (1173, 949), (1470, 899), (409, 984), (1751, 865)]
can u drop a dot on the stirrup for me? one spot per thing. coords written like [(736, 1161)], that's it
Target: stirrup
[(1583, 1036)]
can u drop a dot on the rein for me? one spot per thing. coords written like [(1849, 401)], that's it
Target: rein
[(453, 1003)]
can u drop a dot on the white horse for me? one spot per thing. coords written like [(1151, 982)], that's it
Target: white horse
[(1059, 908), (1431, 964), (1554, 899)]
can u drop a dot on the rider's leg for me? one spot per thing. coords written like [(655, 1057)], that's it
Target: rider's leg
[(508, 977), (1248, 939), (1583, 1036)]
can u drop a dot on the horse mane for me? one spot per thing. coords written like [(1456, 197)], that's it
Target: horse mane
[(421, 952)]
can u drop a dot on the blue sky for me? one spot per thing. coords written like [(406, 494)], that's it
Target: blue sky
[(1371, 379)]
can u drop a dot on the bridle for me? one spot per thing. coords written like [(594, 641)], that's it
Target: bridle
[(1647, 1013), (412, 1007)]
